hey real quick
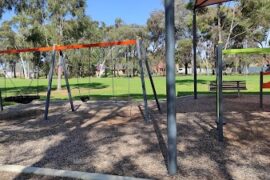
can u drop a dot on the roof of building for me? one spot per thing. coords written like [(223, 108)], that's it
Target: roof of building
[(203, 3)]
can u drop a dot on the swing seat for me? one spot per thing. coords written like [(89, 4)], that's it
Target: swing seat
[(21, 99), (84, 98)]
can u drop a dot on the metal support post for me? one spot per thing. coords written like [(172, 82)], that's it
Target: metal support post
[(50, 85), (66, 79), (151, 79), (195, 53), (219, 93), (238, 88), (1, 101), (261, 89), (170, 86), (139, 51)]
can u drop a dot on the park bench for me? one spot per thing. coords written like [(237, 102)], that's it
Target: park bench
[(229, 85)]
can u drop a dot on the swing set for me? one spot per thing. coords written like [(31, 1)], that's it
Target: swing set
[(141, 55), (20, 96), (100, 68)]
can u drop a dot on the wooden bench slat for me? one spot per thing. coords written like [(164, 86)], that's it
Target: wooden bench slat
[(229, 85), (230, 88)]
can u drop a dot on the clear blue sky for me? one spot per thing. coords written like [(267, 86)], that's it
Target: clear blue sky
[(131, 11)]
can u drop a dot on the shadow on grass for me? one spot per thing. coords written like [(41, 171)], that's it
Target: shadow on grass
[(190, 81), (93, 85), (187, 93), (43, 88)]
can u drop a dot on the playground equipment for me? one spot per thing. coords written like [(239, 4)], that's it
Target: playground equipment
[(21, 97), (250, 51), (112, 61), (263, 85), (1, 101), (60, 49), (197, 4)]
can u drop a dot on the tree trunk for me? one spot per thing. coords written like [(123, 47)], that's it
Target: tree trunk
[(186, 69), (28, 70), (14, 70), (219, 25), (247, 69), (192, 67), (133, 68), (207, 68), (23, 66), (239, 67), (59, 73), (117, 68), (231, 29), (60, 63), (114, 74), (213, 70)]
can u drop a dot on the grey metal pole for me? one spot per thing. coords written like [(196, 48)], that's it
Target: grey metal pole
[(219, 94), (261, 89), (50, 85), (170, 86), (195, 53), (139, 51), (113, 74), (67, 83), (1, 101), (151, 80)]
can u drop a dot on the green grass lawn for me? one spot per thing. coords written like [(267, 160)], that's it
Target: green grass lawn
[(101, 88)]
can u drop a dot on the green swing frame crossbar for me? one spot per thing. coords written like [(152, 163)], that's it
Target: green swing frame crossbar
[(246, 51)]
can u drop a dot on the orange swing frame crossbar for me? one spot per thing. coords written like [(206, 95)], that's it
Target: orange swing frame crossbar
[(68, 47)]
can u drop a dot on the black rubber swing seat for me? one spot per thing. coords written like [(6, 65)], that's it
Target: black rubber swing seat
[(84, 98), (21, 99)]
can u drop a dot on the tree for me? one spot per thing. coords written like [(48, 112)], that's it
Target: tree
[(156, 24), (118, 22), (6, 5), (184, 52), (59, 12), (256, 17), (218, 25), (122, 32), (155, 27), (28, 22), (8, 41)]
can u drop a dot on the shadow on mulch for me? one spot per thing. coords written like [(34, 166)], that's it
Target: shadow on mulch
[(246, 132), (200, 155), (70, 151)]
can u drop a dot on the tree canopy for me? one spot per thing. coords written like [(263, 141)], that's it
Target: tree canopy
[(243, 24)]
